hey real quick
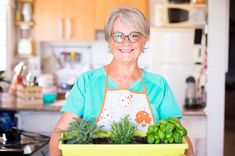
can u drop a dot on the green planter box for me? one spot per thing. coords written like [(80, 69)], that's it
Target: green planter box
[(123, 149)]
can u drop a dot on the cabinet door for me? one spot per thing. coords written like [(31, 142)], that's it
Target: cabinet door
[(79, 20), (142, 5), (48, 16), (196, 127), (102, 10)]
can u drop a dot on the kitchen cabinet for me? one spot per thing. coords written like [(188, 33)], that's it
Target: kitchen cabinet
[(103, 7), (48, 17), (196, 127), (140, 4), (80, 13), (57, 20), (25, 120)]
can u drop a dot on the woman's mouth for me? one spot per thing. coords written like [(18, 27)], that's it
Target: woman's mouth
[(126, 50)]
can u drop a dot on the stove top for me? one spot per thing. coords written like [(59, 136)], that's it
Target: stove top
[(20, 143)]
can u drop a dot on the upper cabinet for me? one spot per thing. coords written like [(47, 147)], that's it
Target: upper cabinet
[(140, 4), (103, 7), (57, 20), (79, 19), (48, 16)]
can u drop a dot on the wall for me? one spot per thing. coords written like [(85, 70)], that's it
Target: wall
[(10, 38), (217, 66)]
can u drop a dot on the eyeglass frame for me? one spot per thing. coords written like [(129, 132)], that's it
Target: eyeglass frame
[(126, 36)]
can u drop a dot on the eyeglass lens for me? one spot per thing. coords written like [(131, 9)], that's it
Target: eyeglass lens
[(120, 37)]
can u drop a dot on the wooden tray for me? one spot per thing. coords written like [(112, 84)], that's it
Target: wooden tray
[(29, 95)]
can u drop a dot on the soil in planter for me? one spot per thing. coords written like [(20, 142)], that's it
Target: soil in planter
[(137, 140), (102, 141), (140, 140)]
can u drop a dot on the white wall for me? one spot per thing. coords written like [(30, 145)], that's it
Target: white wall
[(11, 45), (217, 54), (7, 39)]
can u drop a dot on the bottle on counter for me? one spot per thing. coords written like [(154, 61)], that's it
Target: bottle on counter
[(190, 93), (203, 96)]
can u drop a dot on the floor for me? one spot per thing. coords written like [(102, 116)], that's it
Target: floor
[(229, 138), (229, 135)]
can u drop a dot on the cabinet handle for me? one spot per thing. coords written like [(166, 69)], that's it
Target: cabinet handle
[(68, 28), (60, 28)]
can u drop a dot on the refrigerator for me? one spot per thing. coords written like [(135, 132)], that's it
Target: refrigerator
[(172, 57)]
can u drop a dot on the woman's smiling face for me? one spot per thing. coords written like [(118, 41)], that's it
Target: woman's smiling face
[(126, 52)]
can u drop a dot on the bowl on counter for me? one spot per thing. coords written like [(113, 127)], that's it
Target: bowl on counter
[(49, 98)]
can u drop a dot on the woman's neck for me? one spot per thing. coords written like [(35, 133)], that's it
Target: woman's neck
[(124, 75)]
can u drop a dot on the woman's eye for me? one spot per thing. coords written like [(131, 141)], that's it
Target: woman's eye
[(135, 35), (118, 35)]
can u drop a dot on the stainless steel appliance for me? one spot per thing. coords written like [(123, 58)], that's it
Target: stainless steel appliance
[(180, 15), (21, 143)]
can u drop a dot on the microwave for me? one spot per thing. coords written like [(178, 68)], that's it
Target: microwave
[(180, 15)]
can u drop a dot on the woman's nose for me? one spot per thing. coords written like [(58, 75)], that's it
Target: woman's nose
[(126, 40)]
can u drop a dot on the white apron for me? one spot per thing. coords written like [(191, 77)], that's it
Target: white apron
[(120, 102)]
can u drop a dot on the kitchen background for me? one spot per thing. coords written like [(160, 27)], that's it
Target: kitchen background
[(59, 39)]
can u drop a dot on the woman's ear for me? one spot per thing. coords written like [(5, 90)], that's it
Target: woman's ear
[(109, 42), (145, 40)]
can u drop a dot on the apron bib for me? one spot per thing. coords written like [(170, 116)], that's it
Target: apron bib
[(120, 102)]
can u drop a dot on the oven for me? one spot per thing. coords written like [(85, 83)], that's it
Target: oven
[(15, 142)]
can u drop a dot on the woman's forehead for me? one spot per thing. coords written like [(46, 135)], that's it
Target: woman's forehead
[(123, 26)]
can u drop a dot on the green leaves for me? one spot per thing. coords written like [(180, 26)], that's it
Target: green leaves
[(82, 131), (79, 131), (122, 132), (151, 139), (166, 131)]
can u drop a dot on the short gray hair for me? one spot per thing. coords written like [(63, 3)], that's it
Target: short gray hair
[(130, 16)]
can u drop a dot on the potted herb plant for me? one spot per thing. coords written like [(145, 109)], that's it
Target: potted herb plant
[(84, 138)]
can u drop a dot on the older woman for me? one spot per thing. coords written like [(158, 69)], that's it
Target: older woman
[(121, 87)]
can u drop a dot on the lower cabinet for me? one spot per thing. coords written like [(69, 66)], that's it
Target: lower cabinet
[(38, 122), (196, 126)]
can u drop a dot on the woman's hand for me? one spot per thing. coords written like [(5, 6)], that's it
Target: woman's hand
[(189, 151)]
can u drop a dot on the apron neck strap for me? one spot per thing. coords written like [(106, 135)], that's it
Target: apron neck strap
[(142, 80), (107, 78)]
